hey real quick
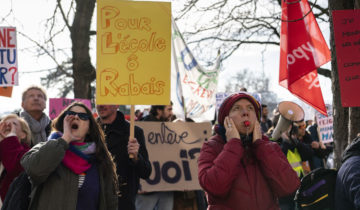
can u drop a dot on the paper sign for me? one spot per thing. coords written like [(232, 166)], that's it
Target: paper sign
[(8, 57), (57, 105), (133, 52), (6, 91), (325, 126), (347, 42), (173, 152)]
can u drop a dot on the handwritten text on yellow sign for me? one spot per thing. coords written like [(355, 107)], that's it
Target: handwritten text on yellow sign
[(133, 52)]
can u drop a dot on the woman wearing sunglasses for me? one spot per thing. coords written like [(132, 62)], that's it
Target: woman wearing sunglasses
[(75, 171)]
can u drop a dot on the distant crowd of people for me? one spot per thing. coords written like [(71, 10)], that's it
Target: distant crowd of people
[(77, 161)]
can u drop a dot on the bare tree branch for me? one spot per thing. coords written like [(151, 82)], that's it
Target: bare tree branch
[(59, 66), (324, 72), (65, 17), (231, 24)]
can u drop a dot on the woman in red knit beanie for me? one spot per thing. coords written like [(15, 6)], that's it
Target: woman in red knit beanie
[(239, 168)]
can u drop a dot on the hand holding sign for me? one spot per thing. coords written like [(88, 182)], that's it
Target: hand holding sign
[(133, 148)]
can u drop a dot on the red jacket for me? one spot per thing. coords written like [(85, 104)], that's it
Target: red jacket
[(11, 152), (248, 180)]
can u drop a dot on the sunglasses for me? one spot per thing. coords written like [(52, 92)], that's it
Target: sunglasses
[(82, 116)]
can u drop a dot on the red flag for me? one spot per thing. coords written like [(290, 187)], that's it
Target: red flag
[(302, 50)]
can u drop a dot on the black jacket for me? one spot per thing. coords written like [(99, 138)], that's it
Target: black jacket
[(117, 135), (347, 188), (304, 150)]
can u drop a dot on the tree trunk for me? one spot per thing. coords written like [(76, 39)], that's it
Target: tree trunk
[(342, 121), (83, 71)]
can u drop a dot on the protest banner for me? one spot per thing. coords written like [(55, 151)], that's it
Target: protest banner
[(57, 105), (8, 57), (347, 45), (173, 152), (193, 86), (133, 52), (6, 91), (325, 125)]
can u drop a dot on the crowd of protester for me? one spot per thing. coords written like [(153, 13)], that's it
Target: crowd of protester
[(77, 161)]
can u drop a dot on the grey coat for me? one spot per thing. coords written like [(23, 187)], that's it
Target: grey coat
[(55, 186)]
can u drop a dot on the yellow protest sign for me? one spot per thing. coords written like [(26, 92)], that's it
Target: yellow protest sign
[(133, 52)]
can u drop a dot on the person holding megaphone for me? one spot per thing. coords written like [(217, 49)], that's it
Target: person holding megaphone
[(239, 168), (297, 152)]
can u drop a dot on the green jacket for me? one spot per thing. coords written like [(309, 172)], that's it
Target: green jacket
[(55, 187)]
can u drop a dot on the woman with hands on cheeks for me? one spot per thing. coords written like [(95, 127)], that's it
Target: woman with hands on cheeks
[(15, 138), (75, 171), (239, 168)]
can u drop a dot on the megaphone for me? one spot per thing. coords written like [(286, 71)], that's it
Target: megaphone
[(289, 112)]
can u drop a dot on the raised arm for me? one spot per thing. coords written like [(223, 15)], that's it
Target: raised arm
[(11, 152), (43, 159), (217, 165)]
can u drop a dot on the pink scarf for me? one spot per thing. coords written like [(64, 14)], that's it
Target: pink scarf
[(76, 157)]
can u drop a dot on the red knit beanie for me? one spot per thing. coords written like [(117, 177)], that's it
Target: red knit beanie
[(229, 102)]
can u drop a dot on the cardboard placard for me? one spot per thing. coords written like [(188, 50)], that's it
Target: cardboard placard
[(173, 152)]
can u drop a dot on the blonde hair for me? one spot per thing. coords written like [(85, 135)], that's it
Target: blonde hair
[(24, 127)]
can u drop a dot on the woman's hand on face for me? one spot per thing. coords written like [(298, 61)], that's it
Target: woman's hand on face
[(257, 132), (68, 136), (2, 130), (5, 129), (12, 128), (231, 131)]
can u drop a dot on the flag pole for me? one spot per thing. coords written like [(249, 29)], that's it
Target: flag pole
[(177, 68)]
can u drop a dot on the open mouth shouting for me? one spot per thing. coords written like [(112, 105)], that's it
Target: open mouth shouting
[(74, 126), (77, 122)]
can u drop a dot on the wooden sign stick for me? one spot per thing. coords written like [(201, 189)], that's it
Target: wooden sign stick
[(132, 124)]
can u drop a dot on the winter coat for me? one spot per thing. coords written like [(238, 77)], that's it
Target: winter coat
[(11, 151), (117, 136), (56, 186), (235, 177), (347, 193)]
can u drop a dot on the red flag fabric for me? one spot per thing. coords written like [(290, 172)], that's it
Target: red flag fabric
[(302, 50)]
